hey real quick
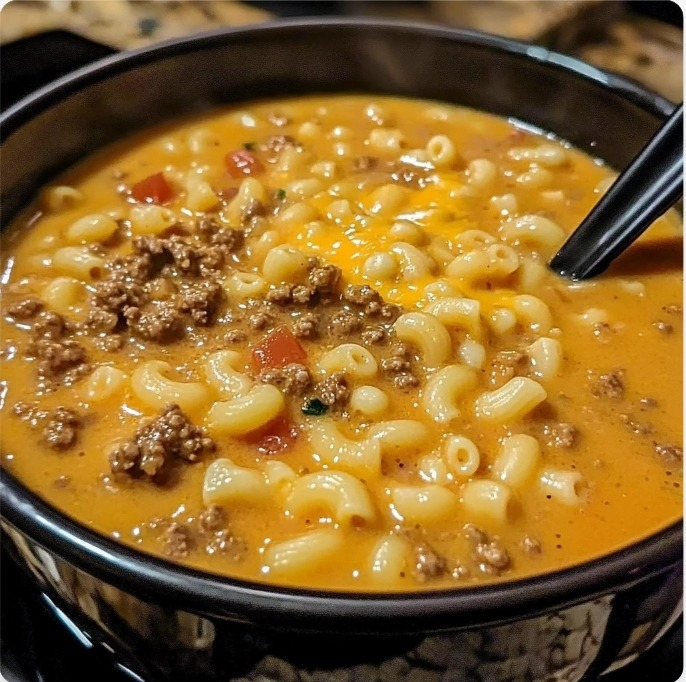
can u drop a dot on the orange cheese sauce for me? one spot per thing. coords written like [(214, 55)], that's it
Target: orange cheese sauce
[(626, 449)]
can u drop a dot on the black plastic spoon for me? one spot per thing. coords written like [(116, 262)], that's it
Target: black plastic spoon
[(650, 185)]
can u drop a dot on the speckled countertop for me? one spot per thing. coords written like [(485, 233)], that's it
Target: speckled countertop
[(124, 23), (605, 32)]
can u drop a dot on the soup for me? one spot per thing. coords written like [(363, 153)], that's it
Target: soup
[(314, 342)]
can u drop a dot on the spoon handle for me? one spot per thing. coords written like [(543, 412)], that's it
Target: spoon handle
[(651, 184)]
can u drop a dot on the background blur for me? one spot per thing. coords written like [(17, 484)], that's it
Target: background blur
[(643, 40)]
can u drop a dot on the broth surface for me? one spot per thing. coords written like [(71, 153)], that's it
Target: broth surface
[(391, 192)]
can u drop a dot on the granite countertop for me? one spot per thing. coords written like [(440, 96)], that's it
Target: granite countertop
[(604, 32), (124, 24)]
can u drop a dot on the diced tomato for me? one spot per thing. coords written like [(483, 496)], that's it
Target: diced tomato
[(241, 162), (152, 190), (277, 349), (276, 436), (228, 194)]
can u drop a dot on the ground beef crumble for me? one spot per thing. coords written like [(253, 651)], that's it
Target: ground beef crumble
[(212, 518), (60, 360), (373, 335), (61, 431), (306, 326), (226, 543), (160, 321), (26, 309), (609, 385), (664, 327), (333, 391), (399, 366), (427, 563), (175, 540), (488, 552), (370, 301), (31, 413), (169, 436), (531, 546), (345, 323), (668, 453), (639, 428), (293, 379), (60, 426), (201, 301), (561, 435)]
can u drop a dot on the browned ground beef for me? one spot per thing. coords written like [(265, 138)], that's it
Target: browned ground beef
[(293, 379), (333, 391), (637, 427), (159, 321), (672, 309), (100, 319), (56, 357), (345, 323), (324, 279), (306, 326), (226, 543), (399, 366), (61, 431), (281, 294), (235, 336), (664, 327), (488, 553), (201, 301), (60, 360), (260, 320), (561, 435), (427, 563), (169, 436), (26, 309), (277, 143), (110, 343), (609, 385), (668, 453), (373, 335), (531, 545), (30, 413), (49, 325), (212, 518), (370, 301), (175, 540)]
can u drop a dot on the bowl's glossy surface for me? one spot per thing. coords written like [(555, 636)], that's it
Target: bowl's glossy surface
[(179, 622)]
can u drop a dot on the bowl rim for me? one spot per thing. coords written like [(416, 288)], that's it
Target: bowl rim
[(165, 582)]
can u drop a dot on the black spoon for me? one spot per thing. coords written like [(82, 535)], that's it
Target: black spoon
[(651, 184)]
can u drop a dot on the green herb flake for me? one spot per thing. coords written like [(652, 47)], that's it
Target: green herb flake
[(249, 146), (281, 194), (314, 407)]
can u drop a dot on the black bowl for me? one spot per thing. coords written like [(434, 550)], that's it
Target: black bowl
[(165, 620)]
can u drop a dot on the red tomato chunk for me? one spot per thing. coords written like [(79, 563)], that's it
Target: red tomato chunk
[(152, 190), (241, 162), (278, 349), (278, 435)]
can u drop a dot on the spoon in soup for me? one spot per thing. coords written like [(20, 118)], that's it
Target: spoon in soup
[(650, 185)]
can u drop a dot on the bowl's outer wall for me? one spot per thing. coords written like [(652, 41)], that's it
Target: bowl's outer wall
[(67, 123)]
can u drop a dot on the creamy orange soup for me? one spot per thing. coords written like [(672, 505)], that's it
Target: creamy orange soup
[(315, 342)]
